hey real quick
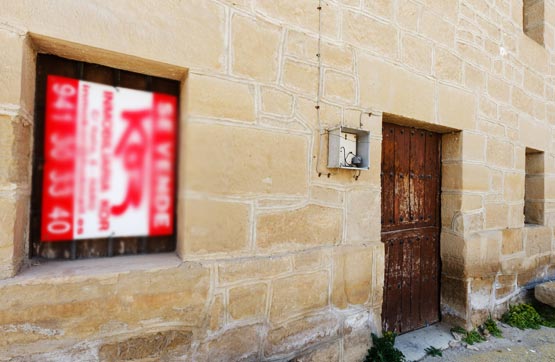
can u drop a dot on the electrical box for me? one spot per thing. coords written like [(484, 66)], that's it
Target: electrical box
[(349, 148)]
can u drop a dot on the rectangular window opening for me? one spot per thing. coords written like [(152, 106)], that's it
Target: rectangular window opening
[(534, 187), (152, 144), (533, 19)]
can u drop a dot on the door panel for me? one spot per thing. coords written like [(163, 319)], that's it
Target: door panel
[(410, 227)]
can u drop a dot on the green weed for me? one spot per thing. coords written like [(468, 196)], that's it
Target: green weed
[(473, 336), (492, 327), (433, 351), (522, 316), (383, 349)]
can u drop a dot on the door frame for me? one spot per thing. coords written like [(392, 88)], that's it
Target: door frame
[(416, 125)]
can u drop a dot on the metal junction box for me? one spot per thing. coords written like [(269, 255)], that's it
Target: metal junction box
[(349, 148)]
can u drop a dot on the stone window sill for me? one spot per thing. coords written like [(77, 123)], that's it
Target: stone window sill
[(61, 271)]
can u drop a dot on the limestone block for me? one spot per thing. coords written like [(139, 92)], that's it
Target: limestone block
[(379, 277), (298, 293), (447, 65), (508, 116), (450, 205), (299, 229), (363, 216), (340, 87), (452, 176), (481, 292), (11, 62), (327, 195), (452, 245), (545, 293), (408, 13), (475, 177), (456, 299), (160, 345), (216, 227), (357, 330), (368, 33), (514, 186), (473, 54), (300, 77), (500, 153), (304, 46), (15, 147), (512, 241), (248, 301), (473, 147), (499, 89), (534, 83), (146, 31), (535, 187), (255, 47), (474, 78), (276, 101), (533, 54), (301, 333), (352, 275), (253, 269), (528, 276), (337, 57), (483, 253), (534, 134), (309, 260), (241, 4), (176, 293), (516, 215), (457, 108), (451, 146), (522, 101), (219, 98), (391, 89), (237, 344), (520, 152), (8, 219), (487, 108), (20, 230), (326, 353), (417, 53), (329, 114), (382, 8), (437, 28), (447, 8), (216, 313), (468, 222), (236, 169), (301, 45), (497, 216), (303, 14), (504, 285), (537, 239)]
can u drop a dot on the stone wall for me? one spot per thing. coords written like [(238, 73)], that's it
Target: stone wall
[(279, 257)]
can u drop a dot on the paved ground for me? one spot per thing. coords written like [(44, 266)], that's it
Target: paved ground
[(515, 346)]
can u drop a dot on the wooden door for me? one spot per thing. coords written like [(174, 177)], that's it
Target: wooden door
[(410, 181)]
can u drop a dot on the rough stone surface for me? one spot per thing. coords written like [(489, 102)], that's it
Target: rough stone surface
[(298, 293), (310, 226), (545, 293), (156, 345), (280, 257)]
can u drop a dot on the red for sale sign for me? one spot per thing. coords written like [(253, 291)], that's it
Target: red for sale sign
[(109, 161)]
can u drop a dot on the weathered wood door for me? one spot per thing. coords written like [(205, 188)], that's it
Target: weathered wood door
[(410, 181)]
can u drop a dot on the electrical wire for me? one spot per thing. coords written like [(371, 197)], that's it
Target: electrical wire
[(318, 94)]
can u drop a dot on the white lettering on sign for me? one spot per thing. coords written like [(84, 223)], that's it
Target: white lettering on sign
[(109, 161)]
